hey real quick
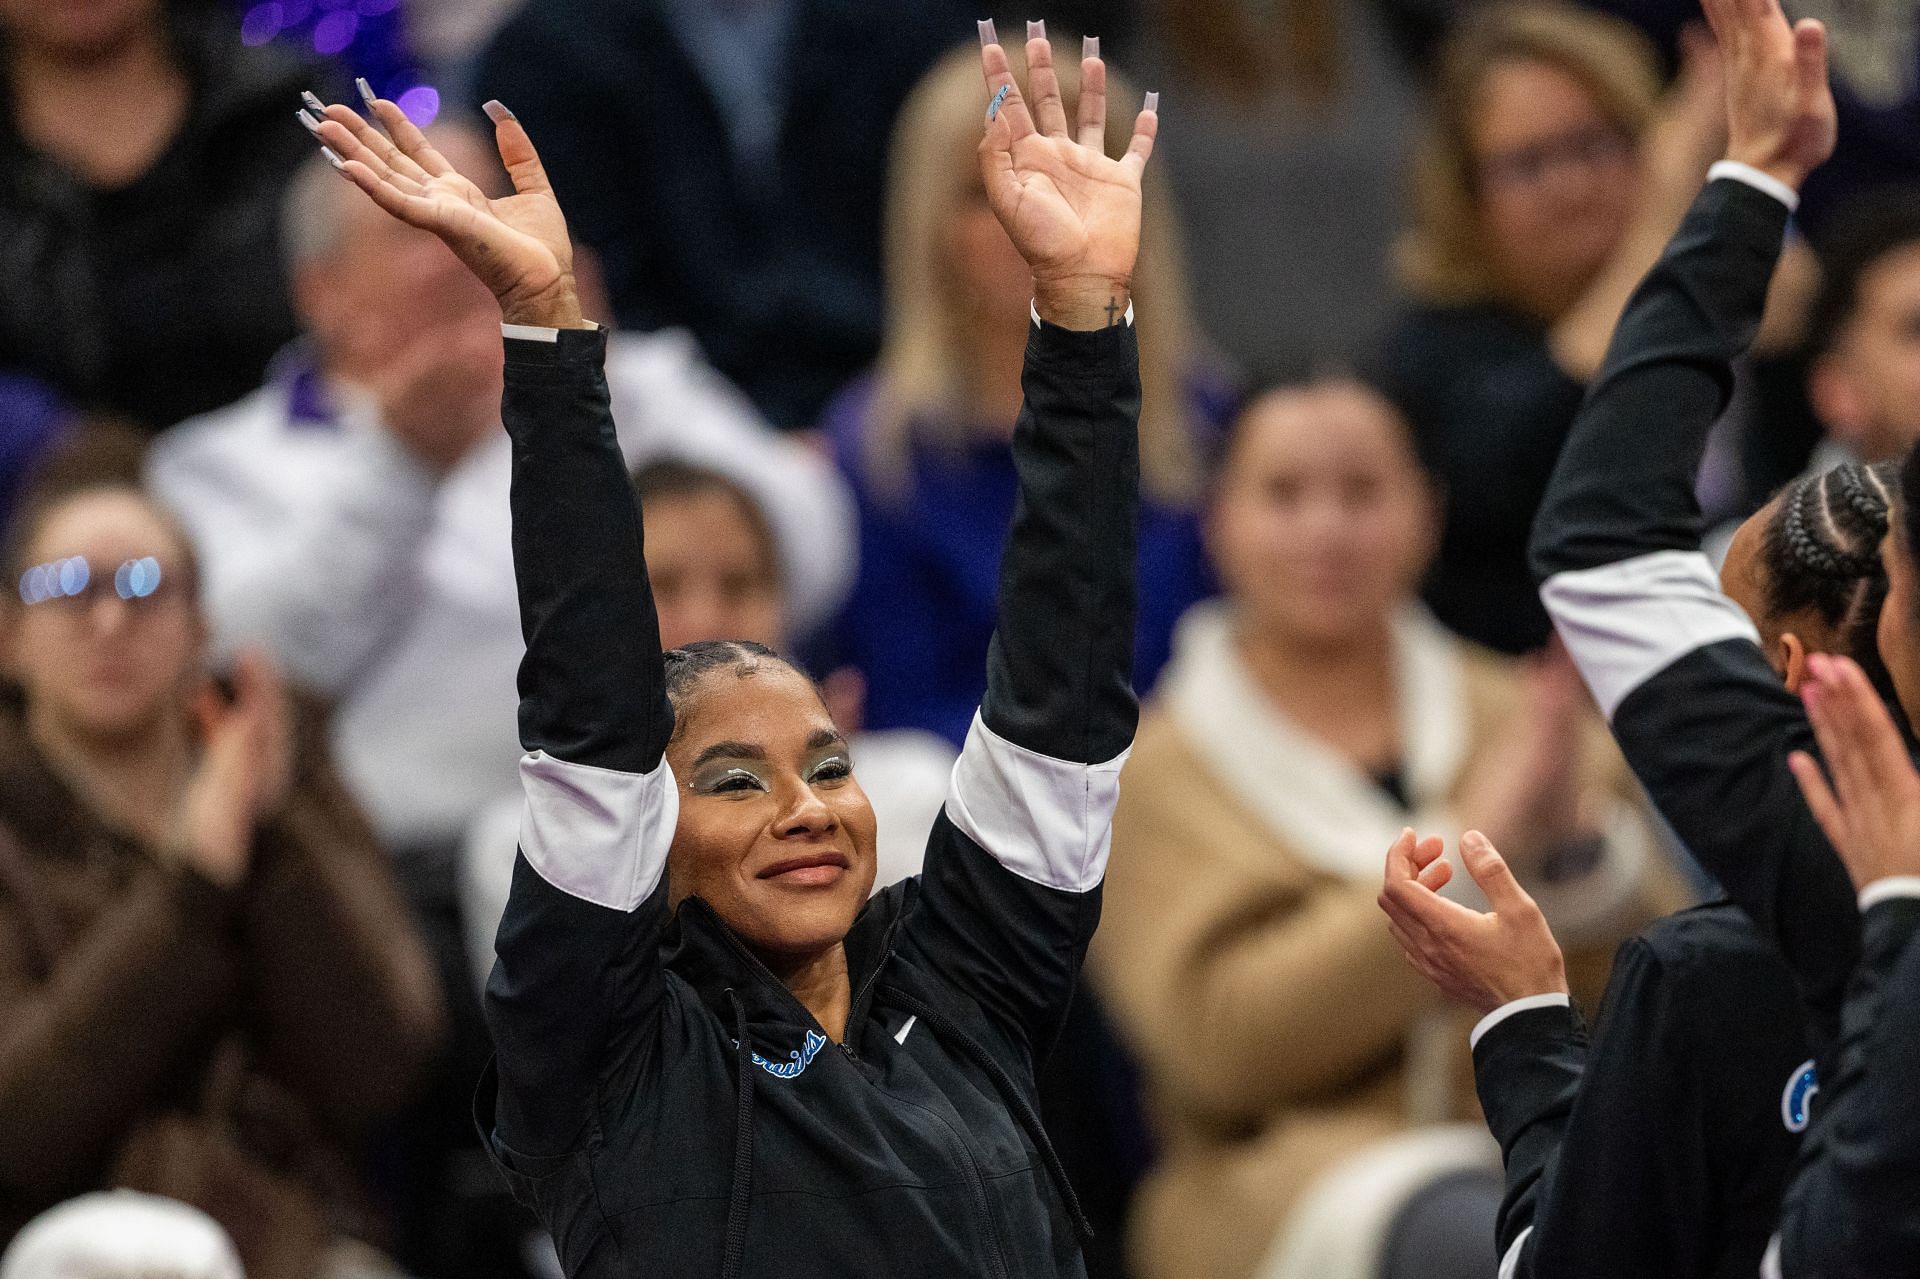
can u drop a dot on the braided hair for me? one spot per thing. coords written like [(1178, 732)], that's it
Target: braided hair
[(1822, 551), (690, 663)]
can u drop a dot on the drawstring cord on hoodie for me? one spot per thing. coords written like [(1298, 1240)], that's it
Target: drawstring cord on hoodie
[(739, 1201)]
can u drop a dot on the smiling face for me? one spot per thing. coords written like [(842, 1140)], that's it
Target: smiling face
[(775, 834)]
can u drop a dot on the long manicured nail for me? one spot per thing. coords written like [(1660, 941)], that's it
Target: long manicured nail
[(333, 157), (366, 92), (1153, 103), (314, 104), (305, 117), (993, 107), (1037, 30), (987, 34), (1089, 48), (497, 111)]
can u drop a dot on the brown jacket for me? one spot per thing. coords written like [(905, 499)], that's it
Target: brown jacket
[(228, 1049), (1280, 1029)]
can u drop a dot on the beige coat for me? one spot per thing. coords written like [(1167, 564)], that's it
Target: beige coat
[(1243, 955)]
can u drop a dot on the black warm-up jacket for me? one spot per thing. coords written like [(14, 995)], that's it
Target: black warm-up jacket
[(1662, 1148), (1676, 666), (1853, 1208), (1612, 1161), (664, 1104)]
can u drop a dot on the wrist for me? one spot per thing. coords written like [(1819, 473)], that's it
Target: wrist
[(1083, 303), (555, 307), (1786, 172)]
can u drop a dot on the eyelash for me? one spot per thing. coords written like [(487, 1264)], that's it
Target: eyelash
[(741, 783)]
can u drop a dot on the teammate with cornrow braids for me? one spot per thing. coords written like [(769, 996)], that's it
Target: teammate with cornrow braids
[(1689, 1102)]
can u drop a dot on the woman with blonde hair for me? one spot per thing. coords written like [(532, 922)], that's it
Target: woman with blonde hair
[(1550, 175), (924, 438)]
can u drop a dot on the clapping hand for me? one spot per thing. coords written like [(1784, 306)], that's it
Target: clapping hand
[(516, 245), (1871, 809), (1071, 211), (246, 765), (1780, 112), (1483, 959)]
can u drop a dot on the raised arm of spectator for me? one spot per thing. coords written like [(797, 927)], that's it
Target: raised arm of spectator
[(578, 947), (1848, 1213), (1673, 663), (1008, 892)]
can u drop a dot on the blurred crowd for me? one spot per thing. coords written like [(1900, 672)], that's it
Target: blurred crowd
[(258, 790)]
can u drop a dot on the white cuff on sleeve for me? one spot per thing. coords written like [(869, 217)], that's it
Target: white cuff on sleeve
[(530, 332), (1883, 890), (1757, 180), (1526, 1003)]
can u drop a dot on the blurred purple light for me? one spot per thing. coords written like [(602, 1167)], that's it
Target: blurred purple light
[(335, 32), (262, 23), (374, 8), (295, 12), (421, 103)]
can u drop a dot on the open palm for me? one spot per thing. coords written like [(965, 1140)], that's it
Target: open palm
[(1071, 210), (517, 245)]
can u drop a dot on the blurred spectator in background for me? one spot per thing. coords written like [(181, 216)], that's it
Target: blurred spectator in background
[(926, 438), (354, 519), (112, 219), (718, 154), (1873, 51), (121, 1234), (1298, 1066), (209, 986), (716, 575), (1294, 122), (1864, 330), (1548, 180)]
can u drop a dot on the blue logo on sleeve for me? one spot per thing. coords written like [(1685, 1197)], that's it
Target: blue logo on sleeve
[(1796, 1103), (797, 1061)]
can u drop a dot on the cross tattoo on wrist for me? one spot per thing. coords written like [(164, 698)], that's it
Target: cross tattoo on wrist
[(1113, 312)]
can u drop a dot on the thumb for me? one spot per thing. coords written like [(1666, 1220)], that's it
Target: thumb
[(1491, 872), (1810, 55)]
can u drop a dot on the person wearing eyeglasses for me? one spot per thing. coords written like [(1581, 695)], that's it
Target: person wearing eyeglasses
[(1550, 176), (210, 988)]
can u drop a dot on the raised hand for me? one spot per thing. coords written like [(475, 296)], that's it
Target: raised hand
[(1871, 809), (245, 770), (1071, 211), (1780, 113), (1481, 959), (516, 245)]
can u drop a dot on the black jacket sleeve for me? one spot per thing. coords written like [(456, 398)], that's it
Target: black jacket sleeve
[(577, 976), (1009, 896), (1850, 1209), (1674, 664), (1527, 1071)]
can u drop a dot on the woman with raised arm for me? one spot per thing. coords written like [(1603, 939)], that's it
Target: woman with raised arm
[(715, 1056), (1677, 666)]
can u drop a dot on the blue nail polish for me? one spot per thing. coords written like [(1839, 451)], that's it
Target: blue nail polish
[(993, 108)]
